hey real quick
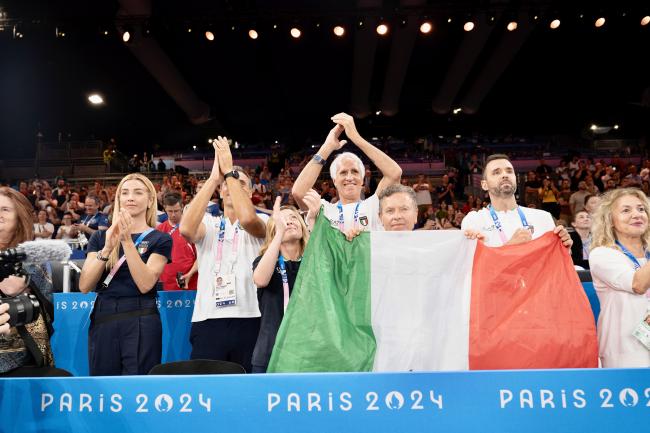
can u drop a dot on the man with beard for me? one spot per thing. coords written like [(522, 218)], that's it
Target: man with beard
[(504, 222)]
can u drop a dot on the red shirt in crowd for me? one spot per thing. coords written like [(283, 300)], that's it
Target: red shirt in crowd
[(183, 257)]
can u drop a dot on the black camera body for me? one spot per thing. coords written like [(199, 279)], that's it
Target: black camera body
[(23, 309)]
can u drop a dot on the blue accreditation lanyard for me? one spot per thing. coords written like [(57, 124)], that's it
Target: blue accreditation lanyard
[(499, 227), (220, 240), (630, 256), (342, 219), (285, 282)]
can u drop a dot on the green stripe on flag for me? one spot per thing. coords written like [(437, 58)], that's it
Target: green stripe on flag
[(327, 323)]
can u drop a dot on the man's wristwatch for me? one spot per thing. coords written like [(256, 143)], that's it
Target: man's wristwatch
[(234, 174), (319, 159)]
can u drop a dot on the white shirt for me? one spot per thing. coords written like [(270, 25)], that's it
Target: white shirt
[(40, 228), (368, 217), (248, 248), (541, 221), (422, 197), (621, 309)]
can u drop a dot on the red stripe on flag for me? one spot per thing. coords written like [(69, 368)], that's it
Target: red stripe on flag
[(529, 310)]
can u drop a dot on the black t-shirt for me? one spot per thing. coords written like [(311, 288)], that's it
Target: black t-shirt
[(447, 198), (271, 301), (123, 284)]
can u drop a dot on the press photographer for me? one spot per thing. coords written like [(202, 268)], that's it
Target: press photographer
[(24, 349)]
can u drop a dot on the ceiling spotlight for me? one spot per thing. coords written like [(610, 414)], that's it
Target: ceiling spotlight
[(252, 33), (382, 29), (95, 99), (468, 26), (555, 24), (209, 35), (360, 24), (194, 147), (105, 32), (512, 26), (426, 27), (645, 20), (339, 31), (189, 30), (616, 126), (126, 36), (457, 110), (600, 22), (593, 127), (449, 19), (377, 113), (295, 32)]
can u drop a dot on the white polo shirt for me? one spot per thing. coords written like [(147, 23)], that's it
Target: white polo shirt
[(248, 248), (482, 221), (367, 218)]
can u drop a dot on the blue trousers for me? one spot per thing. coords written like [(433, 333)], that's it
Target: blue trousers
[(129, 346)]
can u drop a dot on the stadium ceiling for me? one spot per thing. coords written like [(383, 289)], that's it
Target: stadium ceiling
[(191, 68)]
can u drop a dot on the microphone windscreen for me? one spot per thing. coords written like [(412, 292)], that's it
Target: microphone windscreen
[(48, 250)]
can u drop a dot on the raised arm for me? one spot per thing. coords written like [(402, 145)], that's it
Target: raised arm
[(307, 177), (266, 266), (191, 227), (241, 200), (390, 170)]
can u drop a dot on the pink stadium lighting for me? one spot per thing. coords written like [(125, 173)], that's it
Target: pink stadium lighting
[(468, 26), (512, 26), (426, 27), (600, 22), (645, 20), (209, 36), (555, 24), (295, 32), (339, 31), (252, 33)]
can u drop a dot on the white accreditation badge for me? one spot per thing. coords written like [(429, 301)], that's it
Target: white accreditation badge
[(225, 293), (642, 331)]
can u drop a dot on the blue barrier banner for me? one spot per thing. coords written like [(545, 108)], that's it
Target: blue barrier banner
[(72, 319), (540, 401)]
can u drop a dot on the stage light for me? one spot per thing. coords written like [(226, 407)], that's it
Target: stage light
[(426, 27), (95, 99), (209, 35), (512, 26), (616, 126), (457, 110), (645, 20), (339, 31), (449, 19), (600, 22), (295, 32), (252, 33), (105, 32), (469, 26), (189, 30), (382, 29), (126, 36), (194, 147), (593, 127), (555, 24), (377, 113)]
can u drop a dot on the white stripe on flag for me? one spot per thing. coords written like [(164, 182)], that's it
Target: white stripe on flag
[(420, 299)]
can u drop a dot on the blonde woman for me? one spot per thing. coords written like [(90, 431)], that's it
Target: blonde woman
[(123, 265), (274, 274), (621, 274)]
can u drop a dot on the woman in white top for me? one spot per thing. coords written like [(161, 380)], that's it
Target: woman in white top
[(42, 228), (621, 275), (67, 231)]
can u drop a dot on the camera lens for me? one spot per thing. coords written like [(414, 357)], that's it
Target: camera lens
[(23, 309)]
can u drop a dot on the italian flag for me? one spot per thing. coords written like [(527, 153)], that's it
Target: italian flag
[(433, 300)]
